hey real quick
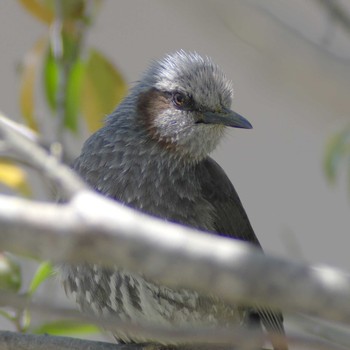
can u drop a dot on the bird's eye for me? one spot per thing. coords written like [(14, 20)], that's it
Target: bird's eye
[(180, 99)]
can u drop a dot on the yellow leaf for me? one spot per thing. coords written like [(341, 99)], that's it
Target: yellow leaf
[(30, 66), (14, 177), (103, 87), (38, 9)]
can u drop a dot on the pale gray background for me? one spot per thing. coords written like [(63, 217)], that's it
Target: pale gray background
[(290, 64)]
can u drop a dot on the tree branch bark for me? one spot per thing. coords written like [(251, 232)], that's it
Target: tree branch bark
[(19, 341), (20, 141), (94, 229)]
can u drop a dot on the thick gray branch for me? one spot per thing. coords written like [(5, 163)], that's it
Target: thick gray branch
[(95, 229)]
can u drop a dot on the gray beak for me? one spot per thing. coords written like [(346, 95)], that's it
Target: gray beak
[(225, 117)]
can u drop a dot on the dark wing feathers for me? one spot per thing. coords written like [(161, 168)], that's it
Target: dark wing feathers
[(231, 220)]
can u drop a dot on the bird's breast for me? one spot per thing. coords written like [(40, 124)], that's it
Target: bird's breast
[(167, 192), (162, 187)]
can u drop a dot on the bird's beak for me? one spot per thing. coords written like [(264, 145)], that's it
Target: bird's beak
[(225, 117)]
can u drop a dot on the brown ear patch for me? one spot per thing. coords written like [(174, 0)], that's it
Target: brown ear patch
[(150, 104)]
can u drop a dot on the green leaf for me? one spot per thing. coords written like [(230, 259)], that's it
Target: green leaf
[(43, 272), (73, 95), (337, 149), (10, 273), (71, 45), (66, 327), (73, 86), (25, 321), (103, 88), (7, 315), (50, 75)]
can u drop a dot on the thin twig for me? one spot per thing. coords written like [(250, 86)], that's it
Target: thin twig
[(234, 336)]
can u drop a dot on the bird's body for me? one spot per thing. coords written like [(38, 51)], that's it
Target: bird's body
[(152, 155)]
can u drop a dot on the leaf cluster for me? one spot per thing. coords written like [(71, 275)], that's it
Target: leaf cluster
[(79, 85)]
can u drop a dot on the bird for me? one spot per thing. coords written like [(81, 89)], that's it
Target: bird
[(152, 154)]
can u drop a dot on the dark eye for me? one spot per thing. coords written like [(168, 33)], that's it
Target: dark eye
[(180, 99)]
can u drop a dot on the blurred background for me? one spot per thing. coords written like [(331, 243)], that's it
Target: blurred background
[(290, 65)]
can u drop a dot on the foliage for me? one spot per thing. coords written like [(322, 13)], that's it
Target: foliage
[(14, 177), (10, 273), (337, 153), (80, 87), (80, 84)]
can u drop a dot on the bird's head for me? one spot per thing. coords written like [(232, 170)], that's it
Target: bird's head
[(184, 102)]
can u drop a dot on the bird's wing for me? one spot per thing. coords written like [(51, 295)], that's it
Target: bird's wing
[(231, 220)]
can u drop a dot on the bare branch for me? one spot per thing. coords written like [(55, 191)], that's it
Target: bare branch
[(24, 147), (337, 12), (234, 336), (196, 335), (15, 341), (94, 229)]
